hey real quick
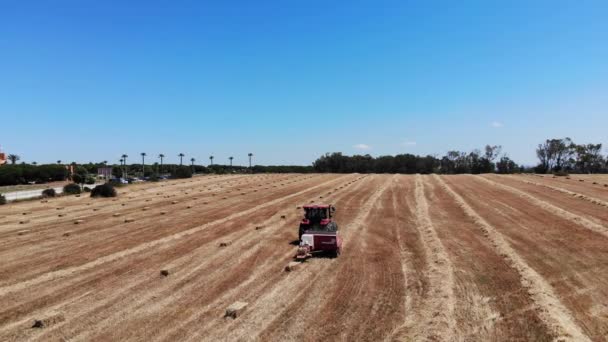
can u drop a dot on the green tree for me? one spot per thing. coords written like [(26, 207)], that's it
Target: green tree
[(13, 158)]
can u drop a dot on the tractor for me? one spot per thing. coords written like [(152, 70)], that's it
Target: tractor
[(318, 232)]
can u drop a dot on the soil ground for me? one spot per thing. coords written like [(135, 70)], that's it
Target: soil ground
[(448, 258)]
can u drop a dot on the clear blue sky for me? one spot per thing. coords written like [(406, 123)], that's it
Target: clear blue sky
[(289, 80)]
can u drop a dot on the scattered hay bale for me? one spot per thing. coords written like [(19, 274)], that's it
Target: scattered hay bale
[(124, 204), (189, 207), (174, 202), (145, 208), (258, 227), (148, 200), (224, 244), (78, 221), (61, 215), (581, 180), (298, 207), (95, 209), (25, 213), (129, 220), (66, 234), (235, 309), (594, 183), (164, 273), (116, 214), (205, 202), (23, 232), (163, 213), (283, 216), (59, 208), (38, 324), (292, 266)]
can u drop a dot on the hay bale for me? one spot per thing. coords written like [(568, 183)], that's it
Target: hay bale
[(124, 204), (235, 309), (25, 213), (283, 216), (164, 273), (163, 213), (174, 202), (66, 234), (292, 266), (128, 220), (116, 214), (95, 209), (38, 324), (59, 208), (145, 208), (61, 215), (78, 221), (224, 244), (23, 232), (189, 207), (258, 227)]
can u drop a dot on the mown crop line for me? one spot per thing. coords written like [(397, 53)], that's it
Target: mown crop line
[(550, 309), (271, 226), (567, 215), (437, 321), (567, 192), (291, 280), (117, 255)]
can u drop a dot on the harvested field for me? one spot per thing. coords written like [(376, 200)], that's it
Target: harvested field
[(467, 258)]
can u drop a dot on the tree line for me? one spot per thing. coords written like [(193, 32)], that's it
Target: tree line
[(454, 162), (564, 155)]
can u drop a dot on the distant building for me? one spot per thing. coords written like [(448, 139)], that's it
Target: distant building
[(104, 172), (3, 159)]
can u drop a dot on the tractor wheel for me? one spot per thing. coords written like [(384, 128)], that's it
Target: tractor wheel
[(301, 232), (337, 253)]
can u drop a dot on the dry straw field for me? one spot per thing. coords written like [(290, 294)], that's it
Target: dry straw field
[(425, 258)]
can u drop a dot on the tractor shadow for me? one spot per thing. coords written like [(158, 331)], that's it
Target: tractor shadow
[(295, 242)]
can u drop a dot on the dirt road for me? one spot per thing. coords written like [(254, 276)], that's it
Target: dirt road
[(425, 258)]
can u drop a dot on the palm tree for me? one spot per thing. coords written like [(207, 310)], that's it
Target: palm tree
[(124, 169), (143, 164), (13, 158), (211, 159), (59, 162), (181, 155), (105, 162), (161, 156), (230, 160), (34, 163), (192, 160), (250, 155)]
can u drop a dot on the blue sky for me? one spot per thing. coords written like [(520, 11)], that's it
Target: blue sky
[(290, 80)]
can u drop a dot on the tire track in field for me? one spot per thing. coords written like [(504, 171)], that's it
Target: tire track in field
[(252, 286), (288, 297), (435, 319), (565, 191), (114, 256), (551, 310), (577, 219), (101, 239), (189, 279), (159, 257)]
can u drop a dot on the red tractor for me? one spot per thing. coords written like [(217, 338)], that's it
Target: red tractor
[(318, 232)]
